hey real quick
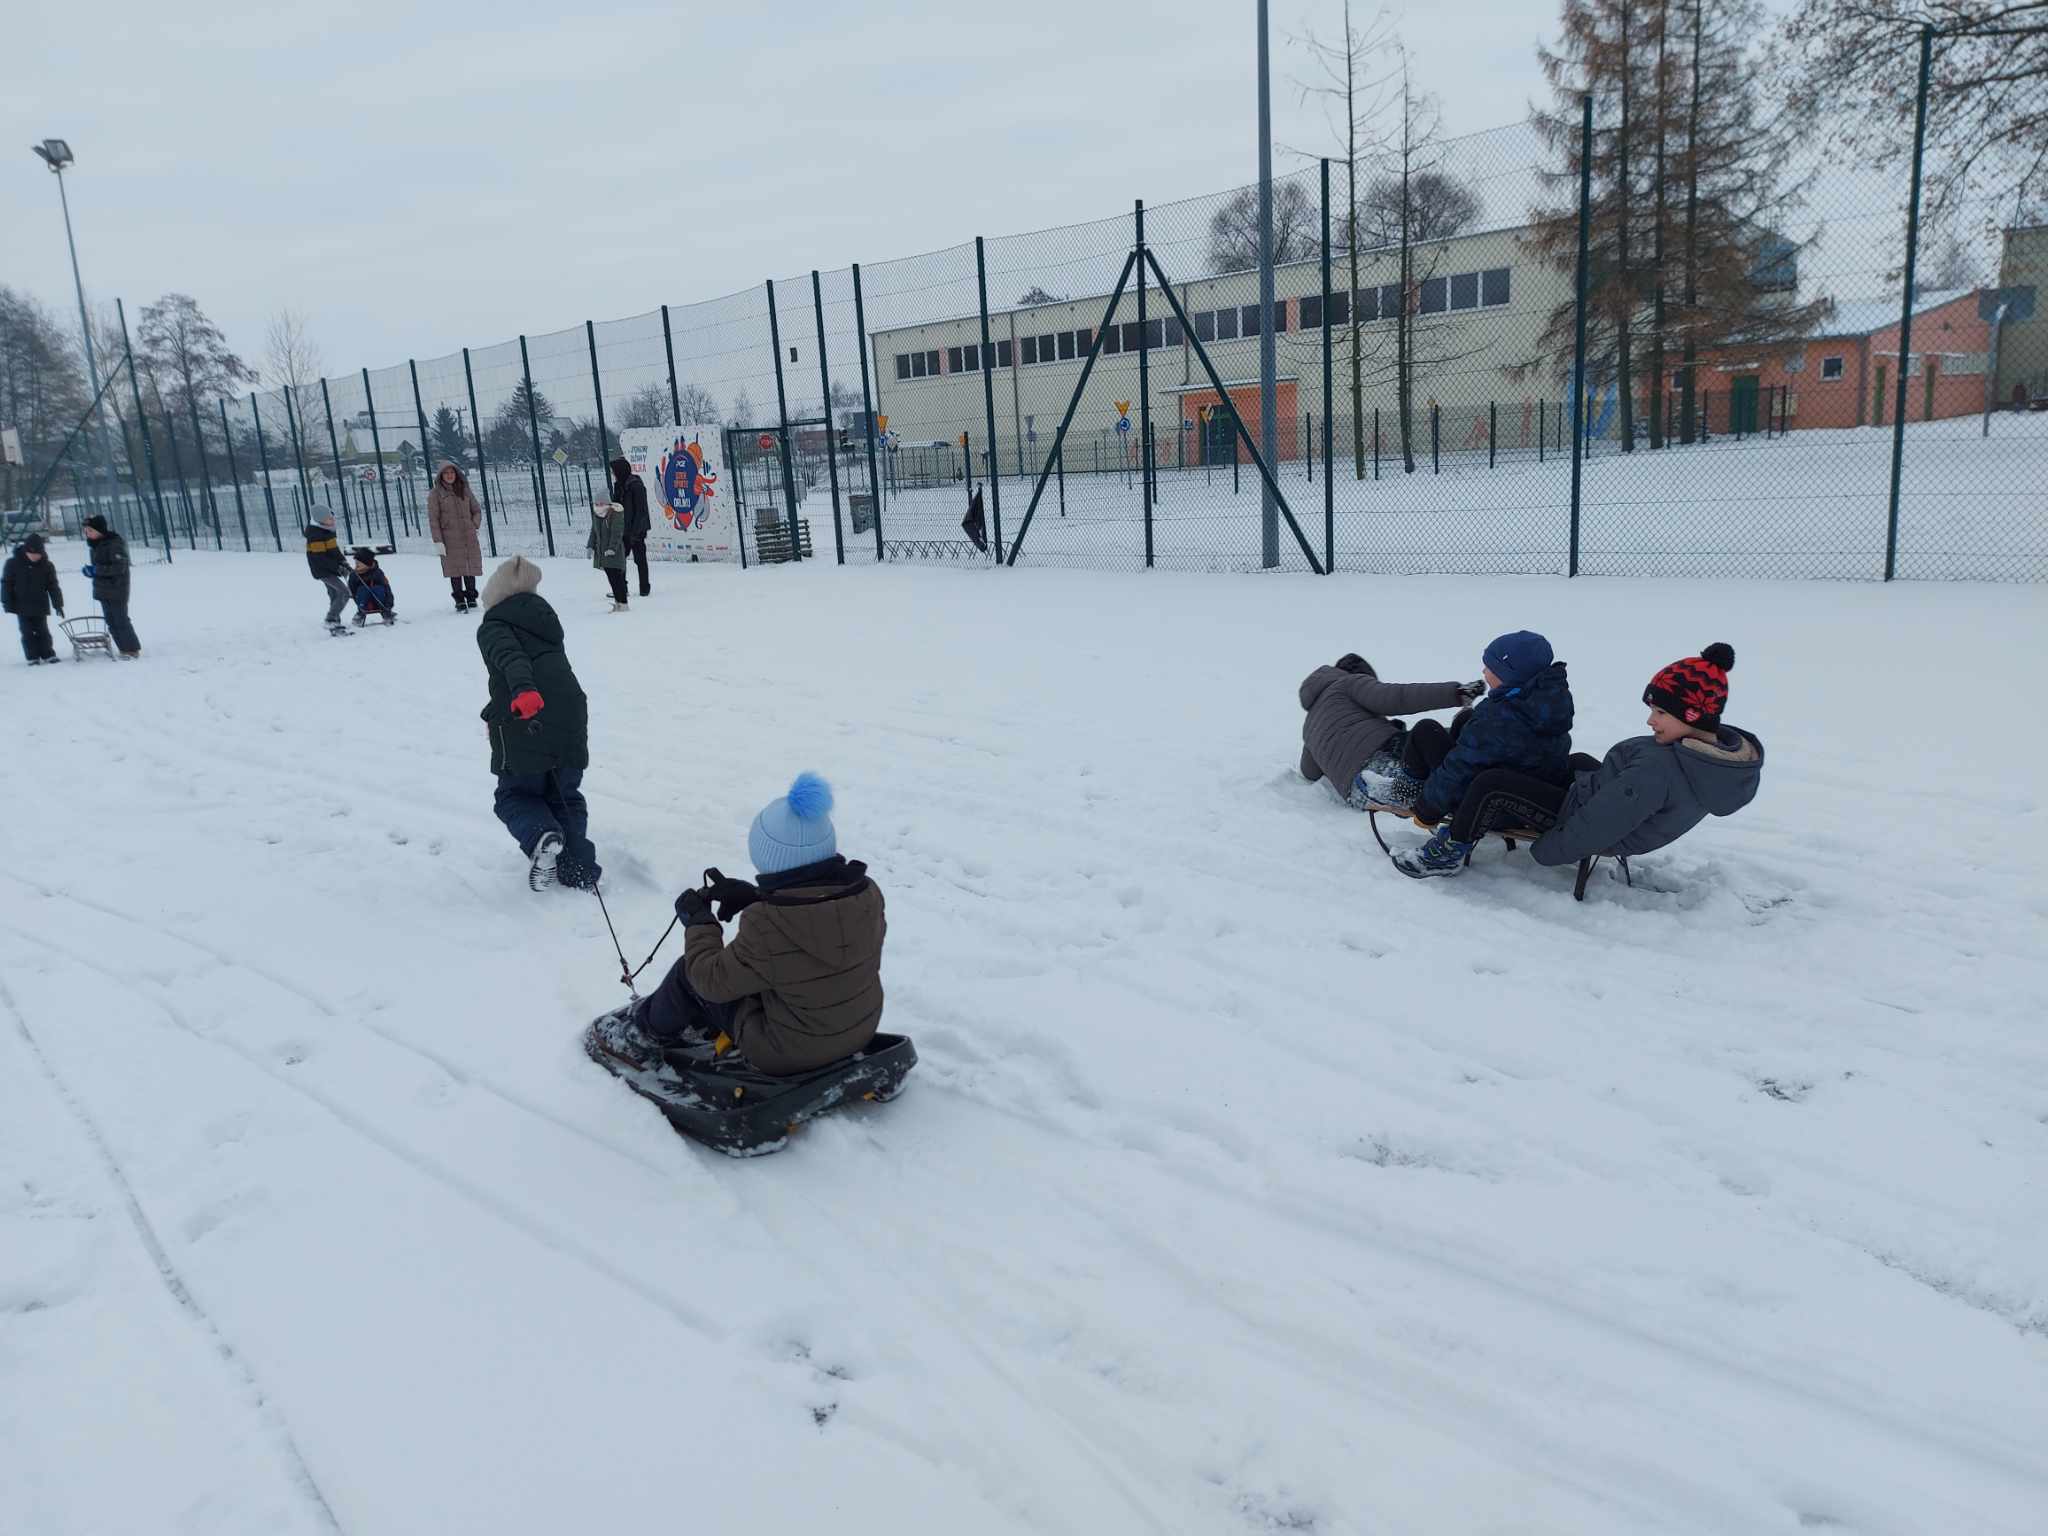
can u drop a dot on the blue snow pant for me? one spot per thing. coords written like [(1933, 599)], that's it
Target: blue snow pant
[(676, 1012), (531, 804)]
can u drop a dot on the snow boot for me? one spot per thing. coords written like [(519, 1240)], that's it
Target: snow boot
[(621, 1035), (338, 628), (361, 619), (1383, 781), (540, 875), (1442, 855)]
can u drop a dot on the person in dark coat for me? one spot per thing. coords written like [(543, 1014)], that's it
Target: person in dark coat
[(1649, 791), (370, 587), (108, 573), (800, 985), (630, 492), (1522, 727), (539, 724), (1348, 738), (323, 559), (29, 591)]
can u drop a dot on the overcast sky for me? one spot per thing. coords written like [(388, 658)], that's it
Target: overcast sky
[(417, 178)]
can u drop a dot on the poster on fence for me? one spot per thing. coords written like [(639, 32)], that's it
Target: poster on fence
[(687, 502)]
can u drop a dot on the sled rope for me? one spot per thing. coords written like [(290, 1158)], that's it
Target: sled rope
[(628, 975)]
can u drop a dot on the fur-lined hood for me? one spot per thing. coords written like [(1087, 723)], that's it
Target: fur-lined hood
[(516, 575)]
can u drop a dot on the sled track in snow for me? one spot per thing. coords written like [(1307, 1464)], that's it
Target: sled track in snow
[(300, 1474)]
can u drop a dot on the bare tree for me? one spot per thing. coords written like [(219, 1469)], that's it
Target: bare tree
[(1854, 63), (699, 405), (647, 406), (1947, 259), (1037, 295), (43, 392), (292, 362), (1234, 228)]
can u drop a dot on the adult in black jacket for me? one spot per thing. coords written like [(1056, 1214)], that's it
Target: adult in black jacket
[(539, 723), (630, 492), (109, 574), (29, 591)]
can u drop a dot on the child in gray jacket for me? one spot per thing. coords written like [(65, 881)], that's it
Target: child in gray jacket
[(1348, 738)]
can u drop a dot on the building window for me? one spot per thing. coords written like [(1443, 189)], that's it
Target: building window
[(1493, 286), (1083, 339), (902, 365), (1205, 325), (1465, 291), (1047, 345), (1340, 306), (1066, 346), (1957, 364), (1390, 301), (1155, 334), (917, 365), (1173, 333), (1002, 354), (952, 360), (971, 355), (1433, 295), (1226, 324), (931, 363), (1112, 339), (1030, 349), (1312, 313), (1279, 316), (1831, 368)]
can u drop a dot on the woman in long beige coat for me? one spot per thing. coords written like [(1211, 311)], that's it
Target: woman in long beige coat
[(453, 518)]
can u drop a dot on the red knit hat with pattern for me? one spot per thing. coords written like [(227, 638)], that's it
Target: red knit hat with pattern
[(1694, 690)]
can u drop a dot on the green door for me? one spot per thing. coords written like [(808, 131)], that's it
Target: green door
[(1219, 441), (1742, 406)]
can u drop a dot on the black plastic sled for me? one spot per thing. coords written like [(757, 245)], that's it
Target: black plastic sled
[(733, 1108)]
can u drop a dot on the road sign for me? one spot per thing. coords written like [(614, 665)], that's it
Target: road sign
[(881, 423), (1186, 425), (1123, 423), (10, 445), (767, 441), (561, 456), (1031, 436)]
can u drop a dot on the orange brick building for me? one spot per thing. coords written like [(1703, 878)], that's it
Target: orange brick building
[(1847, 374)]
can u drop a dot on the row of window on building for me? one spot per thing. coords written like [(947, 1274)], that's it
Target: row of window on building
[(1435, 295)]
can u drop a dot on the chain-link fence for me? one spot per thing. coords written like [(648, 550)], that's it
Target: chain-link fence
[(1515, 351)]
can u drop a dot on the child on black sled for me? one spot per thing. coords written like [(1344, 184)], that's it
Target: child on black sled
[(800, 985), (370, 587), (1348, 739)]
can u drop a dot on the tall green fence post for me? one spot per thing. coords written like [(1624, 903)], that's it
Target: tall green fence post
[(831, 448), (235, 476), (1144, 388), (1891, 534), (427, 465), (540, 479), (156, 487), (340, 480), (476, 427), (604, 437), (988, 394), (377, 448), (668, 347), (1329, 473), (1579, 321), (867, 403), (263, 459), (205, 471), (796, 543)]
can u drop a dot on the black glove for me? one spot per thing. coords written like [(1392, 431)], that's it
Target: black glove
[(1472, 692), (1351, 661), (732, 897), (694, 908)]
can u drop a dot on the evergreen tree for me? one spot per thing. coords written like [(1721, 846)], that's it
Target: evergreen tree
[(451, 443)]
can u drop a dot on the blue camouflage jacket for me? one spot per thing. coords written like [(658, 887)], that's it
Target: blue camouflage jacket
[(1527, 727)]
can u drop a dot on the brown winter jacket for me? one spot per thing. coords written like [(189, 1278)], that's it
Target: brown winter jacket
[(1347, 718), (453, 518), (805, 968)]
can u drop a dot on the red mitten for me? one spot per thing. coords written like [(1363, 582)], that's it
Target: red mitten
[(526, 705)]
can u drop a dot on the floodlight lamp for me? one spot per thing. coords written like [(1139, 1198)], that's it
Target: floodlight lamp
[(54, 153)]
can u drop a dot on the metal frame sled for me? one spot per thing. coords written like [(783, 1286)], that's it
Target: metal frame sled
[(88, 633), (741, 1111), (1514, 837)]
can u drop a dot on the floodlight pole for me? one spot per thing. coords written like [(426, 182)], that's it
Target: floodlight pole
[(92, 366)]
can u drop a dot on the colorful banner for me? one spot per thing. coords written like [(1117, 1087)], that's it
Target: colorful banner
[(687, 500)]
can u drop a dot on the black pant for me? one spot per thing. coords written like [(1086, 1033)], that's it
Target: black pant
[(463, 590), (1429, 743), (1502, 799), (637, 548), (676, 1012), (116, 610), (35, 638), (618, 580)]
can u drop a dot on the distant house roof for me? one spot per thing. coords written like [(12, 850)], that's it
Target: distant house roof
[(1860, 317)]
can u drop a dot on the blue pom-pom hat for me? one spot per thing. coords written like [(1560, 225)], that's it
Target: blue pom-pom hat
[(795, 830)]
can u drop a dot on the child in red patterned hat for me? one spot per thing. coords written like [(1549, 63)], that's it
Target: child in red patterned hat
[(1651, 790)]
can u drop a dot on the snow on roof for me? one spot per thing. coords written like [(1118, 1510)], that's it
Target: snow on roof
[(1859, 317)]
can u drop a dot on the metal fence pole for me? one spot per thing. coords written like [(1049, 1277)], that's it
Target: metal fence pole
[(988, 394), (427, 465), (1891, 536), (1579, 320), (263, 459), (796, 543), (205, 473), (235, 476), (177, 464), (377, 447), (1144, 384), (476, 427), (156, 487), (831, 448), (860, 322), (1492, 429), (1436, 463), (1329, 471), (291, 421), (675, 399), (340, 480), (604, 437), (540, 479)]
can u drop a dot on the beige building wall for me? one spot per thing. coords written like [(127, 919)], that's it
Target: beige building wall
[(2023, 344)]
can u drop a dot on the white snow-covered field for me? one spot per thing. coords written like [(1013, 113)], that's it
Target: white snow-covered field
[(1243, 1185)]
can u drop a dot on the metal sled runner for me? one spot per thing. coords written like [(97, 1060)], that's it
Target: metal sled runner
[(1514, 837), (88, 635)]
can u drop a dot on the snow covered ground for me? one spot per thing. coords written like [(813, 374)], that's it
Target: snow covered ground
[(1244, 1186)]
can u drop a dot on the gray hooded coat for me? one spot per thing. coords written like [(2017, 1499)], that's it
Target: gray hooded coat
[(1347, 719), (1644, 796)]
